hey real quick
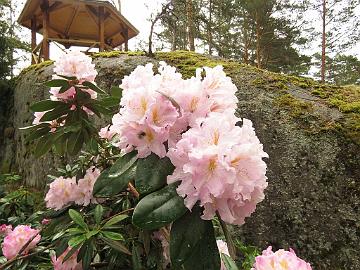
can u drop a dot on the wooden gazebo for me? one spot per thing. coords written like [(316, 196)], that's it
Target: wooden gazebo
[(88, 23)]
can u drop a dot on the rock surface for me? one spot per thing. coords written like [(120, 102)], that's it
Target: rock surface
[(312, 202)]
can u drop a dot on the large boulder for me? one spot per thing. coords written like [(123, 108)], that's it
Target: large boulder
[(310, 131)]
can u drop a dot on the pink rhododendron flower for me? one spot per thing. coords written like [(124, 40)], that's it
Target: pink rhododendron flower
[(279, 260), (16, 239), (220, 166), (85, 187), (62, 192), (223, 248), (5, 229), (76, 64), (106, 133), (70, 264)]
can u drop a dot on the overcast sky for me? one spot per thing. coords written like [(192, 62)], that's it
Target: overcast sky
[(138, 13)]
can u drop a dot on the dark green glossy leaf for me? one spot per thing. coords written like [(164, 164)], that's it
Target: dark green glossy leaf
[(110, 102), (38, 133), (115, 179), (61, 246), (78, 219), (45, 105), (75, 143), (94, 87), (70, 253), (193, 243), (57, 112), (77, 240), (116, 245), (98, 213), (228, 262), (114, 220), (87, 257), (57, 83), (136, 258), (151, 173), (159, 208), (113, 236), (43, 145)]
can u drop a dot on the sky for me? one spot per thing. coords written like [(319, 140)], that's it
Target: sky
[(138, 12)]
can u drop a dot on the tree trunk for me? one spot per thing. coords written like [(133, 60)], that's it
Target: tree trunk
[(246, 40), (258, 40), (210, 27), (190, 22), (323, 45), (174, 34)]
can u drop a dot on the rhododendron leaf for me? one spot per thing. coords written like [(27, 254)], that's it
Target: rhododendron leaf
[(45, 105), (61, 246), (87, 255), (75, 143), (151, 173), (77, 240), (94, 87), (43, 145), (74, 231), (116, 245), (136, 258), (57, 83), (98, 213), (115, 220), (78, 219), (57, 112), (116, 92), (70, 78), (159, 208), (113, 235), (38, 133), (228, 262), (110, 102), (193, 243), (116, 178)]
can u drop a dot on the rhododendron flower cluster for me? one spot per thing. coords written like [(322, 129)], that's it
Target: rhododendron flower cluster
[(66, 190), (74, 64), (218, 163), (221, 167), (157, 108), (17, 238), (279, 260), (69, 264), (223, 249)]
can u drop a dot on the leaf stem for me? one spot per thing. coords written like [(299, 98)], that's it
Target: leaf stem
[(229, 240)]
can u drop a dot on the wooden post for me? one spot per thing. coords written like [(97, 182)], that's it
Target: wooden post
[(101, 29), (33, 39), (46, 45), (126, 36)]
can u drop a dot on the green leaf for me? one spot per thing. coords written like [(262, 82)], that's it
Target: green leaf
[(115, 179), (110, 102), (75, 143), (151, 173), (60, 110), (228, 262), (74, 231), (116, 245), (114, 220), (136, 258), (44, 145), (77, 240), (91, 233), (116, 92), (61, 247), (193, 243), (87, 255), (113, 235), (44, 105), (38, 133), (94, 87), (99, 210), (57, 83), (159, 208), (78, 219)]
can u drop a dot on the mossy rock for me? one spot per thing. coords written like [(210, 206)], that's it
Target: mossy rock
[(310, 131)]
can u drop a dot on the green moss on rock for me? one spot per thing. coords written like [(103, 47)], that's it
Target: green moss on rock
[(36, 67), (111, 54)]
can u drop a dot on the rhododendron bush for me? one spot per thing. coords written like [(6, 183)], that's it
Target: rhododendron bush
[(148, 188)]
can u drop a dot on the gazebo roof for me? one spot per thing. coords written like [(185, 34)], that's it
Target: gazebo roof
[(78, 21)]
